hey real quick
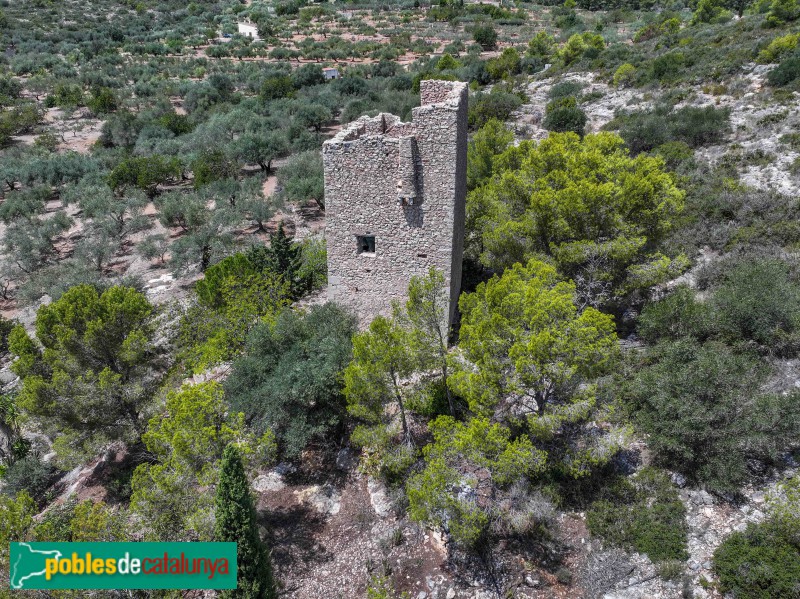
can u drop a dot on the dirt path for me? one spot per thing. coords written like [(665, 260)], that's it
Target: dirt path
[(270, 184)]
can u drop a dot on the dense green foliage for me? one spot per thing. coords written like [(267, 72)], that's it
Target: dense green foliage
[(426, 317), (238, 294), (31, 475), (466, 466), (486, 36), (563, 114), (700, 405), (91, 373), (754, 302), (288, 380), (530, 346), (524, 356), (187, 443), (17, 516), (697, 390), (544, 200), (497, 104), (236, 520), (15, 446), (372, 386), (644, 514), (644, 131), (785, 73), (760, 563), (489, 141)]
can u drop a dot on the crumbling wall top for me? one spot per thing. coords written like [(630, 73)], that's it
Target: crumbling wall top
[(385, 124), (433, 91), (433, 94)]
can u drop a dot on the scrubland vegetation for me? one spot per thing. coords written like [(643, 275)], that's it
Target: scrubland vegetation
[(629, 324)]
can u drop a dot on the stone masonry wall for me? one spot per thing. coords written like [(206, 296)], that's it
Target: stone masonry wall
[(404, 184)]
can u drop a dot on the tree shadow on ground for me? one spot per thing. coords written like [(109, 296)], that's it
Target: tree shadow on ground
[(292, 536)]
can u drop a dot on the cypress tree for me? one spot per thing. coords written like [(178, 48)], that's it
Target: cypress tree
[(285, 254), (236, 521), (282, 256)]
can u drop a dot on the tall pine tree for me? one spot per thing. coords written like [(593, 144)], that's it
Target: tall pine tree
[(236, 521)]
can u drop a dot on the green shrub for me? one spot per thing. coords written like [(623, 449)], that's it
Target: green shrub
[(312, 273), (700, 126), (766, 121), (65, 95), (498, 104), (782, 11), (759, 301), (563, 115), (144, 172), (55, 524), (678, 315), (791, 139), (301, 178), (31, 475), (307, 75), (704, 415), (671, 569), (380, 587), (507, 64), (565, 18), (102, 101), (582, 45), (541, 45), (624, 75), (564, 576), (279, 86), (212, 165), (646, 130), (710, 11), (565, 89), (675, 153), (6, 326), (18, 120), (763, 562), (783, 504), (590, 97), (778, 48), (643, 513), (732, 217), (209, 335), (486, 36), (213, 289), (785, 73), (664, 25), (15, 446), (447, 63), (643, 131), (288, 379), (667, 67)]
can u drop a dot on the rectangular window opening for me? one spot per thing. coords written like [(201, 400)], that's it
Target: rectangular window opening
[(365, 244)]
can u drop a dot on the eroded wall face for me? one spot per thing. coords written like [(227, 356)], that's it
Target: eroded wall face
[(404, 186)]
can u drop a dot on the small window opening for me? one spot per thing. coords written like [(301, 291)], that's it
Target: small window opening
[(366, 244)]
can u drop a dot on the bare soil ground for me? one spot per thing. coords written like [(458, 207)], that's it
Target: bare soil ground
[(330, 537)]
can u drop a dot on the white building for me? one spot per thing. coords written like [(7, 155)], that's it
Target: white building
[(330, 73), (248, 29)]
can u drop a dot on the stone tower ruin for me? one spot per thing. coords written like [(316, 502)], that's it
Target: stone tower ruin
[(395, 199)]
